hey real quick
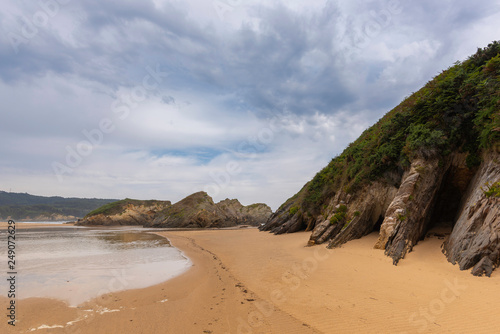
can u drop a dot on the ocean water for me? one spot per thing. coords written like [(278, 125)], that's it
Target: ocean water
[(78, 264)]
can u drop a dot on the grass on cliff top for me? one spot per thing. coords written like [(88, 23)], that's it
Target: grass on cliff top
[(458, 110), (119, 206)]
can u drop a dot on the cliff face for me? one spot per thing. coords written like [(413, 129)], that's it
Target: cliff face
[(475, 240), (407, 218), (403, 215), (125, 212), (432, 160), (199, 211), (363, 213)]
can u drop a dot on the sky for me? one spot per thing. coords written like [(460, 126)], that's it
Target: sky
[(241, 99)]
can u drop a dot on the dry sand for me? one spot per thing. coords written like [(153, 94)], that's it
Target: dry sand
[(245, 281)]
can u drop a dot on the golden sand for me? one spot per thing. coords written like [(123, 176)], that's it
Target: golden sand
[(245, 281)]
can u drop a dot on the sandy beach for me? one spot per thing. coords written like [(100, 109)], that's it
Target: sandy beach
[(246, 281)]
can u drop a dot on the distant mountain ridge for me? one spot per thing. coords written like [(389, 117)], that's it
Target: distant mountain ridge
[(24, 206)]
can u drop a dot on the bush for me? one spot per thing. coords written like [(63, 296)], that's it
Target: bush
[(493, 190), (337, 218), (340, 214), (293, 210), (424, 141), (458, 110)]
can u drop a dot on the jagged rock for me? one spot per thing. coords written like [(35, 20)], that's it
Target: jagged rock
[(319, 230), (476, 234), (324, 232), (254, 214), (483, 267), (199, 211), (406, 212), (124, 212), (288, 219), (408, 215), (294, 224), (363, 213), (356, 228)]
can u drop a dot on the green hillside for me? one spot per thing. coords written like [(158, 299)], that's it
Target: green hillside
[(117, 207), (458, 110), (22, 205)]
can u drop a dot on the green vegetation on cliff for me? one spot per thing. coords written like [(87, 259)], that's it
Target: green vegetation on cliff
[(493, 190), (459, 110)]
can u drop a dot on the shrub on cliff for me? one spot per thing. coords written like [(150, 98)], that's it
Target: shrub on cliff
[(458, 110)]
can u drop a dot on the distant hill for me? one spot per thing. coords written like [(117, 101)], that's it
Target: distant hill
[(23, 206)]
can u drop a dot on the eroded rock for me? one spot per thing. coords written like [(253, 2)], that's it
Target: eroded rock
[(408, 216), (199, 211), (476, 235), (124, 212)]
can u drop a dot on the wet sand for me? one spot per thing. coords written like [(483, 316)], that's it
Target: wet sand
[(21, 225), (245, 281)]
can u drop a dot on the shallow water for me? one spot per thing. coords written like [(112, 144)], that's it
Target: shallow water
[(51, 222), (75, 264)]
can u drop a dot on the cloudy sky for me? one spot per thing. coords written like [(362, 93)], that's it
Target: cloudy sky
[(243, 99)]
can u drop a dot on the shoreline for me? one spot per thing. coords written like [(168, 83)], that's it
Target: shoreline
[(246, 281), (204, 299), (25, 225)]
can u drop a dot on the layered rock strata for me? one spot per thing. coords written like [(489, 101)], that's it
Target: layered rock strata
[(432, 191), (199, 211), (475, 239), (126, 212)]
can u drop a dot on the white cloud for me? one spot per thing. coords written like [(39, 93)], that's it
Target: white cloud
[(277, 88)]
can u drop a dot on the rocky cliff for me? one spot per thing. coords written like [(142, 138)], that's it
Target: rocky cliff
[(475, 239), (124, 212), (199, 211), (433, 160)]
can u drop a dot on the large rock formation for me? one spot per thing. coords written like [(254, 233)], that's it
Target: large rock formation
[(404, 214), (124, 212), (475, 240), (432, 160), (199, 211), (407, 218), (195, 211)]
